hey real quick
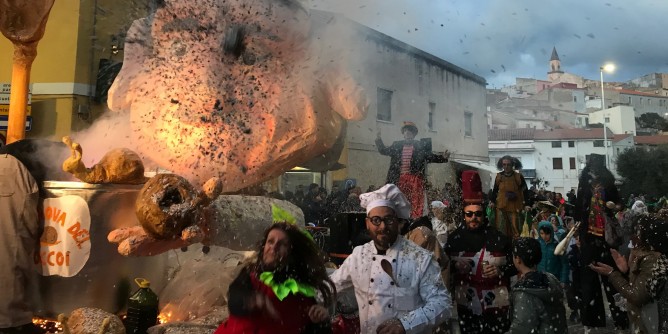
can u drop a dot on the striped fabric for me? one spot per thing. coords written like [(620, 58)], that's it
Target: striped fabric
[(406, 156)]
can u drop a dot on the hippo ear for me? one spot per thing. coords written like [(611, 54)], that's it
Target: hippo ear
[(344, 94), (137, 49), (294, 4)]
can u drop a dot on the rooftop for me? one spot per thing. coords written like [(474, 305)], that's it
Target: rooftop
[(651, 140), (617, 138), (592, 133), (510, 134), (555, 134), (554, 56), (634, 92)]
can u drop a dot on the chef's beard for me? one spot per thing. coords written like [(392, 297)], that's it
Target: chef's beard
[(385, 244)]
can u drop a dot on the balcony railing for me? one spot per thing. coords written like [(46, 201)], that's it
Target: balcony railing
[(529, 173)]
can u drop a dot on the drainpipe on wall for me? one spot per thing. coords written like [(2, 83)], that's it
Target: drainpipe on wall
[(85, 114), (577, 164)]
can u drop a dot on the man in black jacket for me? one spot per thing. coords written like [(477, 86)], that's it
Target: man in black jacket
[(481, 266), (408, 159), (481, 263)]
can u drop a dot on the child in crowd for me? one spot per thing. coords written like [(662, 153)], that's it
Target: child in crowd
[(556, 265), (558, 227), (546, 210), (537, 298)]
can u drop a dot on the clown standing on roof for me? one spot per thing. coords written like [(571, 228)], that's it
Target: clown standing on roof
[(408, 159), (276, 292)]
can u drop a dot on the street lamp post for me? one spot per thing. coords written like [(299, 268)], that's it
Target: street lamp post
[(605, 141), (606, 68), (602, 91)]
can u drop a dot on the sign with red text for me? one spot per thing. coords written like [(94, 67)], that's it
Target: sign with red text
[(65, 242)]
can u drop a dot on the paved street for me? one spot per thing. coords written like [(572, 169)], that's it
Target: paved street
[(579, 329)]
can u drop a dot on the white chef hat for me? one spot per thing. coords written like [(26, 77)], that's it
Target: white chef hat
[(639, 207), (438, 204), (390, 196)]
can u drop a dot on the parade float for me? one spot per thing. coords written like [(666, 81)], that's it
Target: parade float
[(219, 96)]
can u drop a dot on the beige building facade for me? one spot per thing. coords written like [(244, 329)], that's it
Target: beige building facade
[(446, 102)]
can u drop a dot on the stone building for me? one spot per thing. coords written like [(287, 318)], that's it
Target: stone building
[(541, 104), (403, 83), (655, 83)]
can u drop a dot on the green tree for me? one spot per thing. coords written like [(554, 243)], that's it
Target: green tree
[(644, 171), (652, 120)]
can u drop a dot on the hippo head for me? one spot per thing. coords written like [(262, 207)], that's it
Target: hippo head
[(232, 89)]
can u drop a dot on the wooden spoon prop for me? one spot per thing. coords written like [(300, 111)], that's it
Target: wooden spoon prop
[(23, 22), (387, 268)]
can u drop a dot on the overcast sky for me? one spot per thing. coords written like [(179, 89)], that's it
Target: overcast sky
[(503, 39)]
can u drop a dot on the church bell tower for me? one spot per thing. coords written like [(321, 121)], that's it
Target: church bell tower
[(555, 66)]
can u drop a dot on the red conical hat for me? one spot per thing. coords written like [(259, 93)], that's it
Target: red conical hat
[(471, 187)]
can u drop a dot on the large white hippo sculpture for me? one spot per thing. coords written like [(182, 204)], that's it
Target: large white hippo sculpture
[(233, 89)]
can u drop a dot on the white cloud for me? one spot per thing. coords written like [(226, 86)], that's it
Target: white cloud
[(528, 59)]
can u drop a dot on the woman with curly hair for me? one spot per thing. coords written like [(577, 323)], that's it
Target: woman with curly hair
[(641, 280), (276, 292), (657, 285)]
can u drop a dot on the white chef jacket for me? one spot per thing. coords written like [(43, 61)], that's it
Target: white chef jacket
[(419, 299)]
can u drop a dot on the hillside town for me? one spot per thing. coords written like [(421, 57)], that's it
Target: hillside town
[(553, 123)]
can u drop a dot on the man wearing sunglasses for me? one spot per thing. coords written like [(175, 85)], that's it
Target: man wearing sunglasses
[(398, 286), (481, 264)]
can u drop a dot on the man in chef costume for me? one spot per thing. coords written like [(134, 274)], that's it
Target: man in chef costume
[(397, 284)]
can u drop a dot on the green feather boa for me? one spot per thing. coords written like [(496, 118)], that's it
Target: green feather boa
[(282, 290)]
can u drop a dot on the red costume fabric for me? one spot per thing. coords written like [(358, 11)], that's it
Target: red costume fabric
[(406, 156), (596, 219), (293, 314), (413, 187), (346, 324), (471, 187)]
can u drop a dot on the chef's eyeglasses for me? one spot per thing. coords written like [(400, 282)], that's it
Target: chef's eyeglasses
[(470, 214), (388, 220)]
